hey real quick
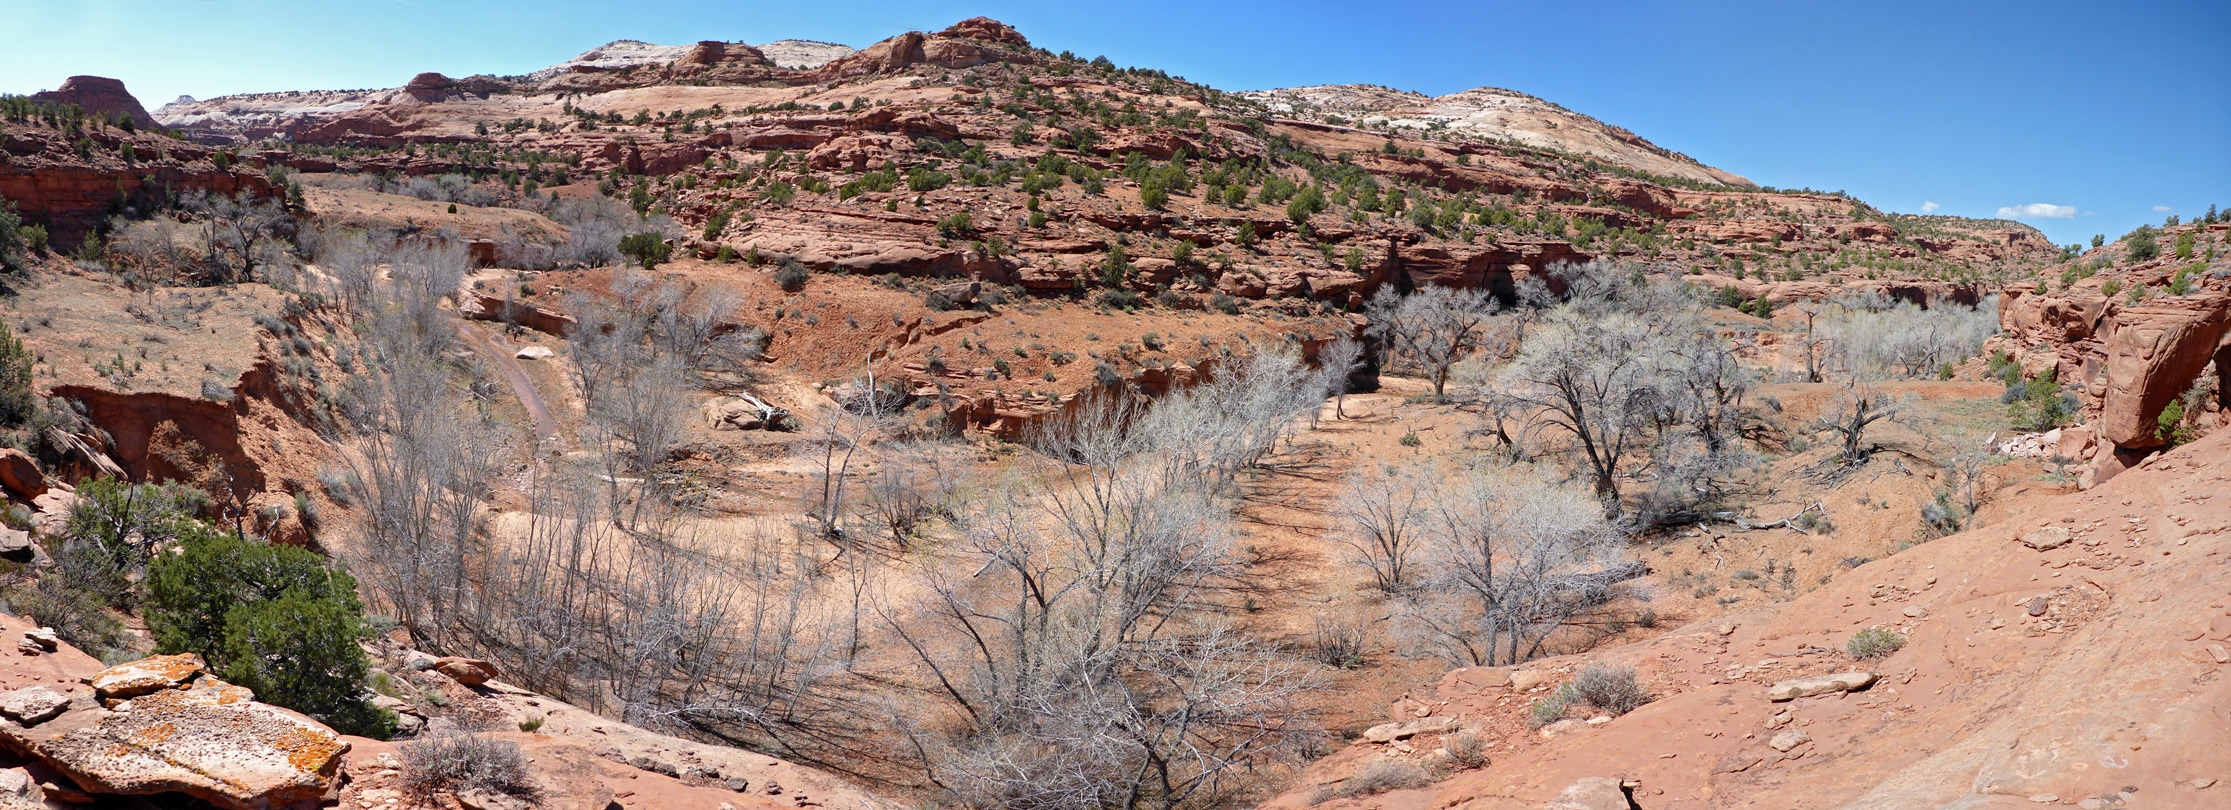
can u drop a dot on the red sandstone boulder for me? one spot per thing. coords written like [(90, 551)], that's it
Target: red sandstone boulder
[(2153, 355), (20, 474)]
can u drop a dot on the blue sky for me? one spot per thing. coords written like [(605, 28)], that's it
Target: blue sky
[(2083, 117)]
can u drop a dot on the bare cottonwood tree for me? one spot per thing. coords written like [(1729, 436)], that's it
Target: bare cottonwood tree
[(1512, 557), (1380, 509), (1434, 327)]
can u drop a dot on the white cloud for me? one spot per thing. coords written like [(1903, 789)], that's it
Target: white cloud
[(2163, 209), (1928, 207), (2038, 211)]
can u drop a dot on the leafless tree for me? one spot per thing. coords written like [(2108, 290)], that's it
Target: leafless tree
[(1512, 558), (1435, 327), (1380, 510)]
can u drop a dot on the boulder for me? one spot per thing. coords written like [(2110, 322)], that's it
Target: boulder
[(1820, 685), (16, 546), (960, 294), (206, 743), (2046, 538), (146, 675), (2153, 355), (1389, 732), (534, 353), (1787, 740), (467, 671), (1524, 679), (1591, 793), (20, 474), (32, 705)]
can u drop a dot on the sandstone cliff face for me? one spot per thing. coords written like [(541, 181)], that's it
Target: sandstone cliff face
[(71, 184)]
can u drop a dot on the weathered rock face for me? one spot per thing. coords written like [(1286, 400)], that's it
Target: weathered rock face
[(2153, 355), (144, 424), (97, 95), (20, 474), (209, 740), (55, 184), (2128, 362)]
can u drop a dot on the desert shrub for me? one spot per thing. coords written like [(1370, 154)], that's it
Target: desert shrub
[(78, 614), (460, 762), (1610, 688), (11, 240), (115, 527), (1551, 709), (1873, 643), (2141, 244), (791, 276), (1382, 775), (271, 618), (16, 399), (956, 224), (1467, 749), (1336, 644), (1224, 303)]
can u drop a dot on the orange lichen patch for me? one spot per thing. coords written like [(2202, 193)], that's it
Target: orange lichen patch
[(154, 734), (309, 751)]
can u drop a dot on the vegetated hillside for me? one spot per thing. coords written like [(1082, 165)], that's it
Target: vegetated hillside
[(970, 155), (67, 171)]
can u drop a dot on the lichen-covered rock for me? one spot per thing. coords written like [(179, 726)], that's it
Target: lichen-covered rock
[(146, 675), (210, 743)]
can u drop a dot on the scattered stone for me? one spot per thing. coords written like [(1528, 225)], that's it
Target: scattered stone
[(1591, 793), (467, 671), (535, 353), (1561, 728), (146, 675), (1820, 685), (738, 784), (28, 647), (2045, 798), (46, 637), (1787, 740), (2201, 784), (2038, 606), (2221, 654), (477, 799), (32, 705), (2046, 538), (1525, 679), (1599, 720), (2093, 803), (1915, 611), (1389, 732)]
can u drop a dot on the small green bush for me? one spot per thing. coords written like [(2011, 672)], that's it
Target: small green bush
[(1873, 643)]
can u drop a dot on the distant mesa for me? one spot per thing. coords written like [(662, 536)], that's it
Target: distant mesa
[(99, 95)]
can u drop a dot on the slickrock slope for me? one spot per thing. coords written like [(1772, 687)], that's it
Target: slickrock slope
[(2074, 656), (1490, 113)]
